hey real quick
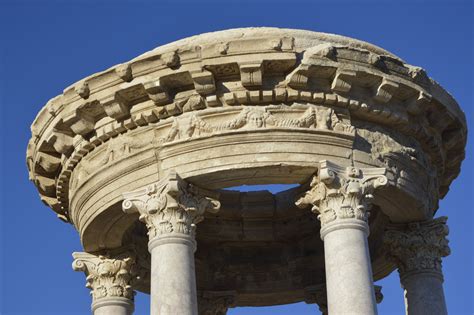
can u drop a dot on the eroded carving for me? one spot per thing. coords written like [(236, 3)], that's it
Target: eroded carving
[(322, 118), (81, 172), (120, 146), (399, 154), (342, 192), (418, 246)]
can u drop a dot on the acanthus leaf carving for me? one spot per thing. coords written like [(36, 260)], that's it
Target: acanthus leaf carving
[(107, 275), (338, 193), (418, 246), (171, 206)]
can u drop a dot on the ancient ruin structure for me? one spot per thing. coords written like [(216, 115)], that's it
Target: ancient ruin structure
[(136, 158)]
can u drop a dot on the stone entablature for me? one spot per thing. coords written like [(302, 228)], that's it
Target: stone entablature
[(334, 74)]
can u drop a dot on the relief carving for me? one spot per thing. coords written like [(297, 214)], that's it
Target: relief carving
[(120, 146), (252, 117), (117, 147), (81, 172)]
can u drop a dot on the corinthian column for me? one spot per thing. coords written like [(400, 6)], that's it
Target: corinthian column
[(109, 279), (341, 196), (417, 249), (171, 208)]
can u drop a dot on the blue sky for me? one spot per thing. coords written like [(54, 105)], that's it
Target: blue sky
[(47, 45)]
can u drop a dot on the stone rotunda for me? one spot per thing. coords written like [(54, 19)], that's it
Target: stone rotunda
[(137, 158)]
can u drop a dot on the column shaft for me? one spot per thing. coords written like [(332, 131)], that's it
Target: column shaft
[(424, 294), (113, 306), (173, 280), (349, 280)]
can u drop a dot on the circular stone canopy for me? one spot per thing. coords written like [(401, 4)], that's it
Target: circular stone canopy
[(247, 106)]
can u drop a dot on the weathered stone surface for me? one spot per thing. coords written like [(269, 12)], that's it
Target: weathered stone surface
[(250, 106), (417, 249)]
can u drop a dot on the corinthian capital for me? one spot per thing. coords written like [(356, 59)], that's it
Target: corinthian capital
[(342, 192), (107, 276), (418, 246), (170, 206)]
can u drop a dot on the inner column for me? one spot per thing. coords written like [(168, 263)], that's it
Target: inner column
[(416, 248)]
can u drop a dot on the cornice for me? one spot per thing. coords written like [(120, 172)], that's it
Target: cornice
[(278, 67)]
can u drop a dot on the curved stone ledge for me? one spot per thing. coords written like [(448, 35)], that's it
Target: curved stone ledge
[(224, 70)]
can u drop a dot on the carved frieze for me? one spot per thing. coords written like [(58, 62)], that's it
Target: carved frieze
[(121, 146), (339, 193), (170, 206), (116, 148), (418, 246), (260, 68), (81, 172), (250, 117)]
